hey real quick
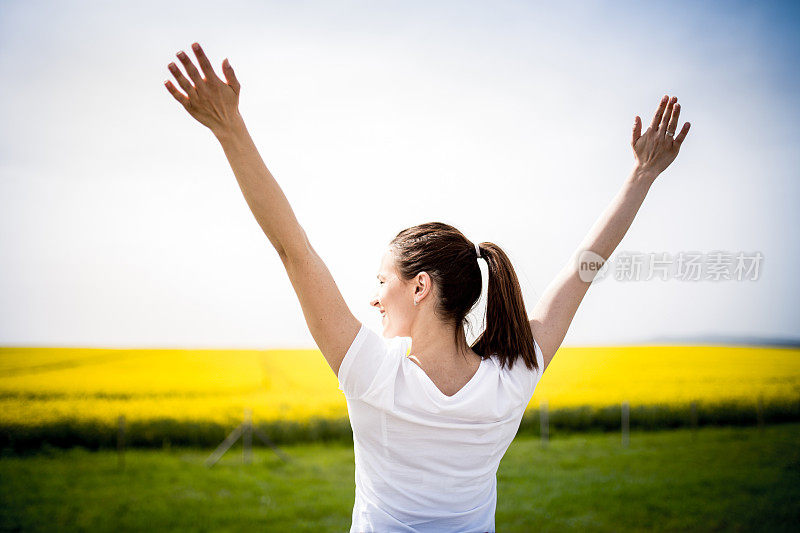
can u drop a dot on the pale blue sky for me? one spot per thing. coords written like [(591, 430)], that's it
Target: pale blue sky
[(121, 223)]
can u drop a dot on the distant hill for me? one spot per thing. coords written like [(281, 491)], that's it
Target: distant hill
[(729, 340)]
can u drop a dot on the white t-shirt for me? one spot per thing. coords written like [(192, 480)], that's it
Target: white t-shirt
[(426, 461)]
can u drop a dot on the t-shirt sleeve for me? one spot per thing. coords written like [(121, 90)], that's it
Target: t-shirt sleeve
[(534, 375), (369, 357), (539, 362)]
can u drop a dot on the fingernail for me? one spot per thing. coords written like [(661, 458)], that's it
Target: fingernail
[(180, 54), (196, 46)]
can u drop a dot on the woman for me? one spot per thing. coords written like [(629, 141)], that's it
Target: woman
[(431, 415)]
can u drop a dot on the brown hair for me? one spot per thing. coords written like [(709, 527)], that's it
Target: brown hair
[(450, 260)]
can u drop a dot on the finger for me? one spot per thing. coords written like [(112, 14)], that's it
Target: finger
[(190, 68), (230, 76), (205, 64), (657, 117), (682, 135), (179, 96), (185, 84), (673, 122), (662, 129), (637, 130)]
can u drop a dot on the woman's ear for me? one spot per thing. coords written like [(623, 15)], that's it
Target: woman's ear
[(423, 285)]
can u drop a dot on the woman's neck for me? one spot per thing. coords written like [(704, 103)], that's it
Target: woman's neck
[(435, 347)]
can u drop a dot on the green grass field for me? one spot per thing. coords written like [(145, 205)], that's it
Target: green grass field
[(714, 479)]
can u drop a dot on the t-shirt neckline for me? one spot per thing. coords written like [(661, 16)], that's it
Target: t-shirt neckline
[(431, 385)]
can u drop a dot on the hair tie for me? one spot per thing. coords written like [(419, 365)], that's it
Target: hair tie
[(477, 250)]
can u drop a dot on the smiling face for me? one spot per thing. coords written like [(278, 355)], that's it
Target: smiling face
[(394, 299)]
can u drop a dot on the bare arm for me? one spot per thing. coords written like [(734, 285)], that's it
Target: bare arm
[(214, 103), (329, 320), (655, 150), (553, 313), (260, 189)]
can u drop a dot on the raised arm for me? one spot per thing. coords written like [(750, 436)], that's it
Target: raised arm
[(654, 151), (215, 104)]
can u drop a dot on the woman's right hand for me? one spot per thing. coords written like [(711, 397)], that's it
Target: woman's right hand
[(656, 149)]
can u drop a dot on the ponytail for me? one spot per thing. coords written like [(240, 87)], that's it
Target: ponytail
[(451, 260), (508, 332)]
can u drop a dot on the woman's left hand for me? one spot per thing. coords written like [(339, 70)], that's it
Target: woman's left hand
[(213, 102), (657, 148)]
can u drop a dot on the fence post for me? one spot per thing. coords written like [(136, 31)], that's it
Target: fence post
[(760, 413), (625, 423), (246, 431), (121, 442), (247, 437), (543, 423)]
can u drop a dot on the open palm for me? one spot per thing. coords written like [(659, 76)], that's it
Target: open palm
[(211, 101), (657, 148)]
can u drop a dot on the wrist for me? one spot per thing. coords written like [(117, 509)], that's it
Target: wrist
[(640, 174), (231, 128)]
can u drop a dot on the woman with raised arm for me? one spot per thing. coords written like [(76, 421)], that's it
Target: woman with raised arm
[(432, 416)]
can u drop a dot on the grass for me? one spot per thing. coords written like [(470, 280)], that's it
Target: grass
[(721, 479)]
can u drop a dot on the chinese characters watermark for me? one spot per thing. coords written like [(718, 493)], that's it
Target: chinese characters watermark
[(684, 266)]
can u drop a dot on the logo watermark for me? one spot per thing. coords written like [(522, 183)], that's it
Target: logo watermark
[(718, 265)]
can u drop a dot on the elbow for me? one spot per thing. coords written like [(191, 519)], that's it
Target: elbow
[(296, 244)]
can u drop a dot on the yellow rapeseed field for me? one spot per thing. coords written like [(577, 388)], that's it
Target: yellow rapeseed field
[(41, 385)]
